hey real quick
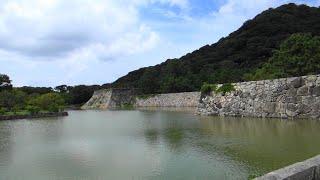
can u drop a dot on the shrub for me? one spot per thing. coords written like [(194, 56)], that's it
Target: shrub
[(207, 88), (52, 102), (33, 109), (227, 87), (61, 108), (53, 108), (16, 109)]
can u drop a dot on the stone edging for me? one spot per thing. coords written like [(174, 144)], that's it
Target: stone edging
[(308, 169)]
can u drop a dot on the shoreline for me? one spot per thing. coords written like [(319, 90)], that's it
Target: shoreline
[(29, 116)]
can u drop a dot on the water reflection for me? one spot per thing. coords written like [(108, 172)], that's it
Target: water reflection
[(144, 144), (174, 136), (172, 109), (152, 136), (265, 144), (5, 143)]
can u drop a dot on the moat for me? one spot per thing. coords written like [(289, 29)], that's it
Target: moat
[(152, 144)]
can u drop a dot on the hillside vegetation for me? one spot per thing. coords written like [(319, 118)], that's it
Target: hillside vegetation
[(235, 58)]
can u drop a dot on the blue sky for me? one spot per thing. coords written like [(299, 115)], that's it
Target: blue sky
[(54, 42)]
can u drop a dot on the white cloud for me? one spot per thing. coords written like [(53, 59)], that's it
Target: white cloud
[(52, 42), (57, 28), (180, 3)]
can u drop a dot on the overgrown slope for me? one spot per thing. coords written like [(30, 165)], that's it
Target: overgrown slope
[(243, 51)]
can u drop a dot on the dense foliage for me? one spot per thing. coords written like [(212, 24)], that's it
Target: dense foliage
[(28, 100), (16, 101), (71, 94), (208, 88), (298, 55), (35, 90), (52, 102), (231, 59), (223, 89)]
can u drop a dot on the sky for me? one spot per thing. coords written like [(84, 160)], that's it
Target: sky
[(54, 42)]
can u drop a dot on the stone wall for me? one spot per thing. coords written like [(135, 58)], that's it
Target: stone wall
[(99, 100), (297, 97), (113, 98), (186, 99), (110, 98), (121, 97), (308, 169)]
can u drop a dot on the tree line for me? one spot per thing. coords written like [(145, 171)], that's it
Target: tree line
[(32, 100)]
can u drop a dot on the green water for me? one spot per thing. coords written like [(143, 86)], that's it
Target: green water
[(141, 144)]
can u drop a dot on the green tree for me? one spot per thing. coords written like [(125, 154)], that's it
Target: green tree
[(298, 55), (3, 110), (225, 88), (33, 109), (148, 83), (35, 90), (52, 102), (13, 98)]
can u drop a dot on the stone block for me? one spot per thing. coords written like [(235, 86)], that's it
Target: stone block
[(303, 109), (303, 91), (270, 107), (309, 100), (292, 92), (315, 91), (311, 78), (283, 116), (283, 88), (318, 80), (291, 113), (292, 107), (290, 100), (297, 99), (296, 82)]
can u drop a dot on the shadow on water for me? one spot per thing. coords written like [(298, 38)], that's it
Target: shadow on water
[(174, 136), (258, 145), (263, 144), (152, 136)]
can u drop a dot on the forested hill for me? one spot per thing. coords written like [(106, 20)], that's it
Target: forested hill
[(243, 51)]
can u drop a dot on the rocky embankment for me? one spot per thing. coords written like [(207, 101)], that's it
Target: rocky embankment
[(296, 97), (186, 99), (110, 98), (114, 98)]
